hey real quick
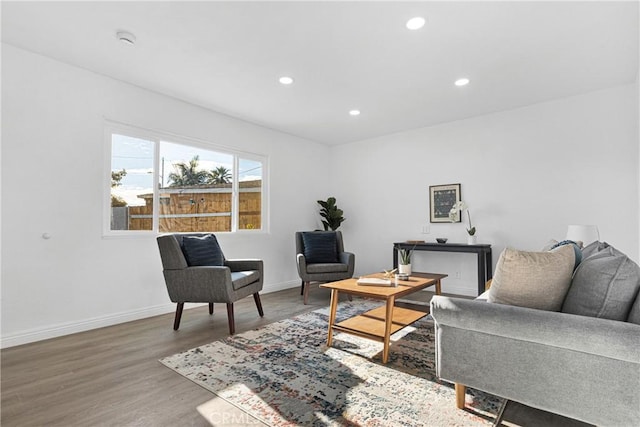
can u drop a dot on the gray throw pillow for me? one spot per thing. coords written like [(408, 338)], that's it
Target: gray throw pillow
[(604, 285), (202, 251), (593, 248), (533, 279)]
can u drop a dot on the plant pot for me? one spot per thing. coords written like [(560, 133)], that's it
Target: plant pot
[(404, 268), (471, 240)]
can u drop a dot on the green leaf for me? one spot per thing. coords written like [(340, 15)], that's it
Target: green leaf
[(332, 216)]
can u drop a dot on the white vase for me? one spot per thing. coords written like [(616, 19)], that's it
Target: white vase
[(404, 268), (471, 240)]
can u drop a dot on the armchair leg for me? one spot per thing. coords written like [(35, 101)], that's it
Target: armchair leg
[(176, 322), (306, 292), (256, 298), (232, 324), (210, 308), (460, 394), (302, 288)]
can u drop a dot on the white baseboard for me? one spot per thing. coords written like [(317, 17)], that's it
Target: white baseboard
[(39, 334), (68, 328), (275, 287)]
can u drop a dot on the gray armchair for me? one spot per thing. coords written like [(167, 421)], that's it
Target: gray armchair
[(321, 257), (227, 282)]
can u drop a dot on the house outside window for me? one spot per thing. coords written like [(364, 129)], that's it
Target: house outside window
[(199, 188)]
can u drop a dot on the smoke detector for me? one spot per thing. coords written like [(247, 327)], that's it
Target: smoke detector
[(126, 37)]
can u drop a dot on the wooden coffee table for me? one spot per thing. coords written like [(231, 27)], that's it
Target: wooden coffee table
[(378, 324)]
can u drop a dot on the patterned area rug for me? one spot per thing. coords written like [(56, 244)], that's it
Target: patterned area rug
[(284, 374)]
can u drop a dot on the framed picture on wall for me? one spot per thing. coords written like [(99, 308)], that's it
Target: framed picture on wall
[(442, 198)]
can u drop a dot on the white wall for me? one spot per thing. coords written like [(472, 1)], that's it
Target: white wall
[(52, 179), (637, 112), (526, 174)]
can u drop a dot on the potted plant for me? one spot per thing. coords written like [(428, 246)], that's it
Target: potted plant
[(331, 214), (404, 261), (454, 215)]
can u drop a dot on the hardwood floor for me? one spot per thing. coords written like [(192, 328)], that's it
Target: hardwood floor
[(111, 376)]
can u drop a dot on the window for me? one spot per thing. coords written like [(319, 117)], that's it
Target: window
[(132, 161), (198, 189), (249, 194)]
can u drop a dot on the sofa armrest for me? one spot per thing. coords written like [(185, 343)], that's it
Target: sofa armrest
[(580, 367)]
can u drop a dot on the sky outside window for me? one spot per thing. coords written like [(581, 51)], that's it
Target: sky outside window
[(136, 157), (250, 170)]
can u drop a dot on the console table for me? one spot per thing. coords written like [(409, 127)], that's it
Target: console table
[(485, 267)]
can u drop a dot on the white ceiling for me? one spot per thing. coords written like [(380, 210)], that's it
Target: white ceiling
[(228, 56)]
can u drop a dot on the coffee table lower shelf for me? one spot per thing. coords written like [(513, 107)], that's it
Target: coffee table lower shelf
[(372, 323)]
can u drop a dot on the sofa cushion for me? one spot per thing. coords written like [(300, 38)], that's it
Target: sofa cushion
[(320, 247), (202, 250), (634, 314), (604, 285), (533, 279)]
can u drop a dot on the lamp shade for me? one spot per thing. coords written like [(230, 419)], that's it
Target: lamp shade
[(583, 233)]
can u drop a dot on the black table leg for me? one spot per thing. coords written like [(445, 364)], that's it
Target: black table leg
[(481, 272)]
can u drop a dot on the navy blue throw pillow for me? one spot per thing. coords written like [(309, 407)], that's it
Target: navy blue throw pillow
[(320, 247), (203, 250)]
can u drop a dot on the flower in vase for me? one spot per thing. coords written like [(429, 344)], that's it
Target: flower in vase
[(454, 214)]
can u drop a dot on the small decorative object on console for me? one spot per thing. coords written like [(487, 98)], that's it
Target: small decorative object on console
[(441, 239)]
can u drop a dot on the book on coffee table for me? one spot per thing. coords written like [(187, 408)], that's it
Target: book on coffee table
[(374, 281)]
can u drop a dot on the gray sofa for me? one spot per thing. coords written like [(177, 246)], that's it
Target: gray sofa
[(581, 361)]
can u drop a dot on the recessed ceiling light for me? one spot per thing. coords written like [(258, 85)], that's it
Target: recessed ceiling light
[(286, 80), (126, 37), (416, 23), (354, 112), (462, 82)]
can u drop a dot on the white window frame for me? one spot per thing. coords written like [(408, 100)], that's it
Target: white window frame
[(157, 137)]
